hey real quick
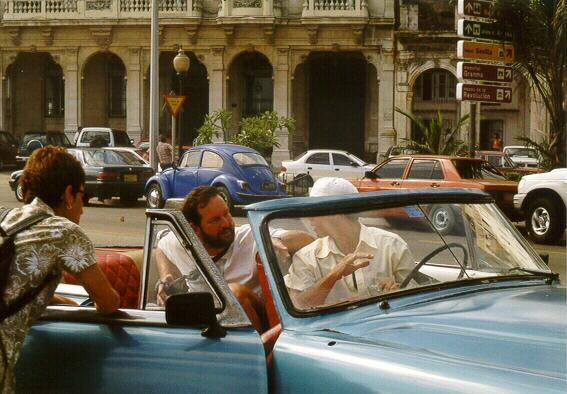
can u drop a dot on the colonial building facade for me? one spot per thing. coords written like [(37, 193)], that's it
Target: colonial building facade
[(339, 67)]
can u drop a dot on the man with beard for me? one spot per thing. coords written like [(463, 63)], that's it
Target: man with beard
[(232, 249)]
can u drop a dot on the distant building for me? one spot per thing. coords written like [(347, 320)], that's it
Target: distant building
[(339, 67)]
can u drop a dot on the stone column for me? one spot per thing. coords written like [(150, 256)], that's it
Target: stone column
[(216, 82), (72, 97), (281, 103), (2, 96), (134, 113), (386, 130)]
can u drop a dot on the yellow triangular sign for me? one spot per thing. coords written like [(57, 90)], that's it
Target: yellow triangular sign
[(174, 103)]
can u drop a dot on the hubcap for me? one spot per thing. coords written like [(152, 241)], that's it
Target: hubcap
[(20, 192), (441, 219), (153, 197), (540, 221)]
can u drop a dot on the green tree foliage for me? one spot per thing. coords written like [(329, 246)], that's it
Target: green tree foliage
[(539, 30), (436, 139), (543, 149), (215, 125), (259, 132)]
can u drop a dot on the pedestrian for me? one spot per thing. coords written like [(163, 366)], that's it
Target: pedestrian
[(496, 142), (53, 184), (164, 153)]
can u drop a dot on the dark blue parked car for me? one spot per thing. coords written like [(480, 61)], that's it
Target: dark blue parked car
[(241, 175)]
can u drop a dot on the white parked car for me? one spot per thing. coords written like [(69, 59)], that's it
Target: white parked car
[(523, 156), (325, 162), (543, 198), (111, 137)]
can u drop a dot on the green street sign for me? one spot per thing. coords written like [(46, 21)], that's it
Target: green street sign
[(482, 30)]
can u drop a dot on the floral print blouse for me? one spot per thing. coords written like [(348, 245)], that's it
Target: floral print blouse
[(52, 245)]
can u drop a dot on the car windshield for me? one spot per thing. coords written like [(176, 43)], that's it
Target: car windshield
[(103, 157), (299, 156), (121, 138), (354, 256), (523, 152), (249, 159), (356, 159), (477, 169)]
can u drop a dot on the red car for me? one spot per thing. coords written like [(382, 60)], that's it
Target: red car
[(431, 171), (502, 162)]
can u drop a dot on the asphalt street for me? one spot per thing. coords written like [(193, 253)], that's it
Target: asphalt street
[(108, 223)]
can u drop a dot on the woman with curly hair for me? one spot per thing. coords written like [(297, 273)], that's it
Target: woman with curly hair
[(53, 184)]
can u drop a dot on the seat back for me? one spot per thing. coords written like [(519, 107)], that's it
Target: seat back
[(122, 273)]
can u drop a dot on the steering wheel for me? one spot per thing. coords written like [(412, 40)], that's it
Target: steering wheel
[(436, 251)]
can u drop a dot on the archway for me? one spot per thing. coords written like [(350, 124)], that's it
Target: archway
[(35, 94), (104, 91), (250, 85)]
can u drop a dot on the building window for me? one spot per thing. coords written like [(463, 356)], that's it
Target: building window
[(489, 127), (259, 86), (435, 15), (54, 91), (116, 89), (435, 85)]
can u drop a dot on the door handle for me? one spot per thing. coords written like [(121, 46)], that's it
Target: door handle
[(395, 183), (309, 168), (435, 184), (337, 169)]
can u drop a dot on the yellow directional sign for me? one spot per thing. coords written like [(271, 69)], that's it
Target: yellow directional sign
[(174, 104), (485, 51)]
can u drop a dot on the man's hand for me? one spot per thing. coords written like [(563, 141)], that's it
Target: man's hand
[(388, 285), (352, 262), (162, 285)]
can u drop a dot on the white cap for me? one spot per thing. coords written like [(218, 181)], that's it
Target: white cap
[(330, 186)]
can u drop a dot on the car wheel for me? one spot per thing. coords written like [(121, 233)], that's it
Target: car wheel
[(443, 219), (128, 199), (154, 196), (223, 191), (19, 192), (545, 220)]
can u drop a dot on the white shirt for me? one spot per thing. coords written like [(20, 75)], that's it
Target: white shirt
[(392, 261), (238, 264)]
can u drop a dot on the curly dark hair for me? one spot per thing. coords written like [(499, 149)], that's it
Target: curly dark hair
[(198, 198), (48, 172)]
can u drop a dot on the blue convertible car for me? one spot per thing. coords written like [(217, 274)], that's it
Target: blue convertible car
[(472, 311), (241, 175)]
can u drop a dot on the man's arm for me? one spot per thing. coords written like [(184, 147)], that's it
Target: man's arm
[(167, 273)]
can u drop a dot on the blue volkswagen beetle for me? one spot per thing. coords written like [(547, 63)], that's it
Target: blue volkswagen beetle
[(241, 175), (471, 311)]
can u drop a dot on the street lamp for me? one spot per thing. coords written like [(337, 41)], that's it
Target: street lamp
[(181, 63)]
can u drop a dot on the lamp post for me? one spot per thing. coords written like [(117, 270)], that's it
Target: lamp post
[(181, 63)]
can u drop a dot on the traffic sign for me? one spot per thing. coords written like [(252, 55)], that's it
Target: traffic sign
[(483, 30), (174, 103), (484, 93), (485, 51), (484, 72), (478, 8)]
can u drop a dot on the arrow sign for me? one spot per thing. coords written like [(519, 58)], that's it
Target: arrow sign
[(484, 93), (485, 51), (484, 72), (483, 30), (478, 8), (174, 103)]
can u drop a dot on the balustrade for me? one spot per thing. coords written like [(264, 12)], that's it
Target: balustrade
[(335, 8)]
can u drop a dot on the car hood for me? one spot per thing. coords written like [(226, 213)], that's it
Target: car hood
[(556, 174), (520, 329)]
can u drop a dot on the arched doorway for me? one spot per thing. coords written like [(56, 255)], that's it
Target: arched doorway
[(250, 85), (104, 91), (194, 85), (337, 96), (35, 94)]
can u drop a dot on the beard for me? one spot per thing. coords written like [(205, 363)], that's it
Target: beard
[(223, 239)]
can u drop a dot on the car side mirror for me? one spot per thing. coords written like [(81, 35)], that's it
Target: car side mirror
[(194, 310), (370, 175), (545, 258), (353, 164)]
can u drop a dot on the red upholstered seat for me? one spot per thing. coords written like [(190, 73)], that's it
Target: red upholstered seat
[(269, 337), (122, 273)]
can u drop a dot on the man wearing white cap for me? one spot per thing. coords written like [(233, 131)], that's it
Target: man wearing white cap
[(349, 260)]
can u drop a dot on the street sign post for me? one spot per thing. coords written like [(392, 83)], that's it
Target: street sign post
[(485, 51), (484, 93), (476, 8), (483, 30), (484, 72)]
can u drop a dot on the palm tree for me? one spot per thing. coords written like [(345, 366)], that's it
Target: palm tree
[(539, 30), (436, 139)]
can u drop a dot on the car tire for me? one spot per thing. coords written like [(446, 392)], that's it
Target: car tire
[(1, 164), (128, 200), (545, 220), (19, 192), (223, 191), (443, 219), (154, 196)]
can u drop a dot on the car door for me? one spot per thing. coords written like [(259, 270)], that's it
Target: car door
[(345, 167), (76, 350), (424, 173), (318, 165), (388, 176), (211, 167), (185, 176)]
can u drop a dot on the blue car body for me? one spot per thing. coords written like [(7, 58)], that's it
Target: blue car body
[(496, 335), (215, 165)]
